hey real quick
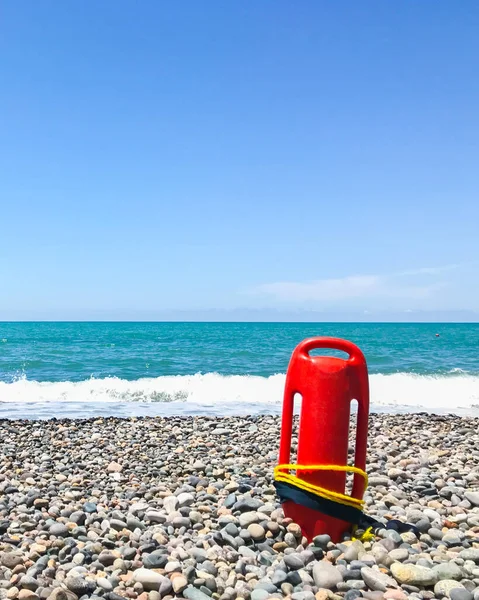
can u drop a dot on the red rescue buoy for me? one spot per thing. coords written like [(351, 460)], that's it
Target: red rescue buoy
[(327, 386)]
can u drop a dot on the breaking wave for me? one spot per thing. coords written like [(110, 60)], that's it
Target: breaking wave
[(456, 393)]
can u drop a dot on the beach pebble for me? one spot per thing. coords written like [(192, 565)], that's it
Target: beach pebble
[(352, 552), (399, 554), (326, 575), (29, 583), (378, 481), (349, 595), (114, 467), (259, 594), (59, 530), (294, 562), (155, 560), (10, 560), (322, 541), (150, 580), (104, 584), (435, 533), (394, 594), (248, 518), (461, 594), (257, 531), (472, 497), (179, 584), (470, 554), (374, 595), (443, 588), (192, 593), (80, 586), (185, 499), (448, 570), (413, 575), (27, 595), (170, 504), (376, 580), (247, 505), (279, 577)]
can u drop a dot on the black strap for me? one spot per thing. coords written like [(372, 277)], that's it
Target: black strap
[(289, 492), (401, 527)]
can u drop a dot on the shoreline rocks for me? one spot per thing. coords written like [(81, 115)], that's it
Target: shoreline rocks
[(158, 508)]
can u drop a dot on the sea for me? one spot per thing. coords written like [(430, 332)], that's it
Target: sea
[(81, 370)]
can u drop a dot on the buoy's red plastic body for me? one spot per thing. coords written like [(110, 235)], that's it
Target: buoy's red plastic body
[(327, 386)]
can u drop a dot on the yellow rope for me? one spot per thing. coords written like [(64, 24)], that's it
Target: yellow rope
[(366, 536), (280, 475)]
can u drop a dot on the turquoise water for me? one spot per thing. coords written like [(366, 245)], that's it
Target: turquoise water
[(143, 368)]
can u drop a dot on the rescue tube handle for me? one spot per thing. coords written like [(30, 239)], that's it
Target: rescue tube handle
[(330, 343)]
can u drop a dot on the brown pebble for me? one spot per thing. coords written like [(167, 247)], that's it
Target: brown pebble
[(394, 595), (27, 595), (295, 530), (114, 467)]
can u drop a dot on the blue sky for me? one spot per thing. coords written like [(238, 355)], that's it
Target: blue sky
[(269, 155)]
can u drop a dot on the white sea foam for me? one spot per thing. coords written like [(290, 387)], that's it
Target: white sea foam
[(209, 389), (454, 394)]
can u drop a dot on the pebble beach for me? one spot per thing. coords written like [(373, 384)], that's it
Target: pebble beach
[(150, 508)]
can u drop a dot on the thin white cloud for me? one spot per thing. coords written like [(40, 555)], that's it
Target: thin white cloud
[(428, 270), (346, 288), (357, 286)]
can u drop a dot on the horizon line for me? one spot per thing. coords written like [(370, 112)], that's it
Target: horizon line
[(392, 322)]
